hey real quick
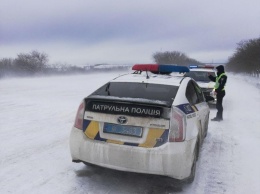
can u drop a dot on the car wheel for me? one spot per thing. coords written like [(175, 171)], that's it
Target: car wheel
[(191, 178), (89, 164), (206, 127)]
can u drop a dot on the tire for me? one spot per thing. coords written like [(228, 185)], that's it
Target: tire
[(206, 127), (89, 164), (191, 178)]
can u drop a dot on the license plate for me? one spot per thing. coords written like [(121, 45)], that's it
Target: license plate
[(123, 130)]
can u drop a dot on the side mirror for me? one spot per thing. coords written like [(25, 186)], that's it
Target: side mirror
[(209, 98)]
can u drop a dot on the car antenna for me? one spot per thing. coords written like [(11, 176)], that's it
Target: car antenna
[(147, 76)]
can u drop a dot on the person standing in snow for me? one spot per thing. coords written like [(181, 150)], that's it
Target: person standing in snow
[(219, 87)]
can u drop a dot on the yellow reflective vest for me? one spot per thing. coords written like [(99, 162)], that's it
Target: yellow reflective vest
[(217, 83)]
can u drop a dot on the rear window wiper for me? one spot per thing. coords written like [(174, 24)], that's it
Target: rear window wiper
[(107, 89)]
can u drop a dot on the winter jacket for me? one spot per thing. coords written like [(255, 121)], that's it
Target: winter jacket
[(222, 81)]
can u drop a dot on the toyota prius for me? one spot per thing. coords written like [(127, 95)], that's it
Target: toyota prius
[(148, 121)]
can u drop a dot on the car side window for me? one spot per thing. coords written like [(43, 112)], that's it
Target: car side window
[(199, 93), (191, 93)]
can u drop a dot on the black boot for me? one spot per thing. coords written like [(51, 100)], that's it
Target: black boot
[(216, 119)]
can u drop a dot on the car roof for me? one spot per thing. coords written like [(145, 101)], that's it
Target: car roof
[(171, 79)]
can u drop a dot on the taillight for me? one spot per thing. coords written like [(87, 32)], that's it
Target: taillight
[(178, 126), (80, 116)]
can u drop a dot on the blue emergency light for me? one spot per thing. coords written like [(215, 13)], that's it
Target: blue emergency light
[(160, 68), (201, 66), (193, 66)]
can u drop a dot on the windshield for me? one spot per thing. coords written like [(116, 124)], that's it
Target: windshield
[(200, 75), (148, 91)]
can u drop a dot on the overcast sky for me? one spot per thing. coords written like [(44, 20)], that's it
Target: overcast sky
[(81, 32)]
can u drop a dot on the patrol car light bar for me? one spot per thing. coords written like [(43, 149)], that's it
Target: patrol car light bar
[(160, 68), (201, 66)]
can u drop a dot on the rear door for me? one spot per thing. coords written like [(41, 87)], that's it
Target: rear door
[(196, 99)]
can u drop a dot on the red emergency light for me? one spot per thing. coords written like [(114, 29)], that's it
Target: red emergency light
[(160, 68), (146, 67), (209, 66)]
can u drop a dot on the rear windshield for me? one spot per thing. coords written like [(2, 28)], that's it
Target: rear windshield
[(200, 75), (148, 91)]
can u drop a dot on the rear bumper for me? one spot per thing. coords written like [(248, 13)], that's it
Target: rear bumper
[(171, 159)]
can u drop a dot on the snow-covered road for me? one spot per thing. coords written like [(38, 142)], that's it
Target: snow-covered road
[(36, 116)]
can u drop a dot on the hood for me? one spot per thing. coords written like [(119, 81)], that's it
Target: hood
[(206, 84), (220, 69)]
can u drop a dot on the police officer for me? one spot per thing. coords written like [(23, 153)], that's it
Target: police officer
[(219, 87)]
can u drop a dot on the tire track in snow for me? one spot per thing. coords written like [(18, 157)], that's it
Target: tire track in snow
[(216, 156), (214, 175), (228, 144), (216, 172)]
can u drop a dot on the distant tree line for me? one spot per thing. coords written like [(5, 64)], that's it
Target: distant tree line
[(174, 57), (246, 58), (36, 63)]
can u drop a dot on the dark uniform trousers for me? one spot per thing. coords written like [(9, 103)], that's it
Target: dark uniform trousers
[(219, 106)]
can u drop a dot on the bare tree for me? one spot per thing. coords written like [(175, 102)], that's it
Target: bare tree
[(34, 62), (6, 67), (174, 57)]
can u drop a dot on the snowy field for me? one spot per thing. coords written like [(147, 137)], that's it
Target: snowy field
[(36, 116)]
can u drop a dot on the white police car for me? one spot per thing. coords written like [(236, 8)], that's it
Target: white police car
[(200, 74), (143, 122)]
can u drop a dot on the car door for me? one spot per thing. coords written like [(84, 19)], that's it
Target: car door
[(203, 106), (196, 99)]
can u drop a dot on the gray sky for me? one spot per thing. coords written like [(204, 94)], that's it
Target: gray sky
[(80, 32)]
